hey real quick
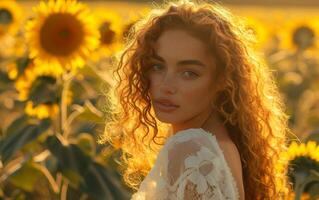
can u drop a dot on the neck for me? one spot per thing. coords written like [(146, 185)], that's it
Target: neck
[(199, 121), (209, 121)]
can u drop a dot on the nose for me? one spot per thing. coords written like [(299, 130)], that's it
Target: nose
[(168, 84)]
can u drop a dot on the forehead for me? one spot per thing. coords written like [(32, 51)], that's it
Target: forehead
[(180, 44)]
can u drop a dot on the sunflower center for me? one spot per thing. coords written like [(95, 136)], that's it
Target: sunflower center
[(5, 16), (107, 35), (61, 34), (127, 29), (303, 37), (44, 90)]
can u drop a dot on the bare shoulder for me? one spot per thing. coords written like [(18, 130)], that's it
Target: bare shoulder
[(233, 160)]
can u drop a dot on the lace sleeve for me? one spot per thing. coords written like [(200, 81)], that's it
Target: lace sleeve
[(195, 170), (190, 166)]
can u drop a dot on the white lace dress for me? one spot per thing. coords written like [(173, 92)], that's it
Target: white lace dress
[(190, 165)]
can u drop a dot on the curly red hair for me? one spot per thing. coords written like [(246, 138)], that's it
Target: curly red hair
[(249, 103)]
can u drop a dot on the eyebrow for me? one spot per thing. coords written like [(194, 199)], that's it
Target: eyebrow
[(182, 62)]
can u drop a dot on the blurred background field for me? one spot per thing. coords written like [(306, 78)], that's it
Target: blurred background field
[(53, 108)]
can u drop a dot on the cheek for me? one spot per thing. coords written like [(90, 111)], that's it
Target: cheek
[(154, 86), (196, 94)]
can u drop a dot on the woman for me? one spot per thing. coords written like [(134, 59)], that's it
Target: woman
[(195, 112)]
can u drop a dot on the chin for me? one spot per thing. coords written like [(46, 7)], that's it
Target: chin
[(169, 118)]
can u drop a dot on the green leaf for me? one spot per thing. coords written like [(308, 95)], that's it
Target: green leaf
[(18, 124), (91, 113), (84, 173), (18, 139), (85, 141), (72, 162), (87, 84), (26, 177), (303, 180), (102, 183), (28, 173)]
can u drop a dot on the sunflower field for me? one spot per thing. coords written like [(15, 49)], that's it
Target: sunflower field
[(55, 64)]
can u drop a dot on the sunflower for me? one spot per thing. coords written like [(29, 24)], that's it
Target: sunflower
[(10, 17), (24, 82), (36, 75), (10, 21), (302, 158), (109, 26), (299, 33), (131, 19), (45, 110), (309, 150), (62, 34)]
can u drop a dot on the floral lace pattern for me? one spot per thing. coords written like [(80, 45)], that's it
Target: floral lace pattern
[(190, 165)]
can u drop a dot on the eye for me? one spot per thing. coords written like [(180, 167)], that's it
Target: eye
[(155, 67), (190, 74)]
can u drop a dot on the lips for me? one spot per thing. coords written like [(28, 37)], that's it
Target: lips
[(167, 108), (165, 105)]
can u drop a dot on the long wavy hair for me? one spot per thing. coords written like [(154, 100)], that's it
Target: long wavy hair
[(249, 103)]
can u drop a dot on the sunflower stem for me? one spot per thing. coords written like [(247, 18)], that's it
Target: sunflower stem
[(60, 121), (64, 189), (66, 80)]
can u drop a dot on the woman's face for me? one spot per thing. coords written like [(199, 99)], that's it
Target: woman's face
[(182, 72)]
